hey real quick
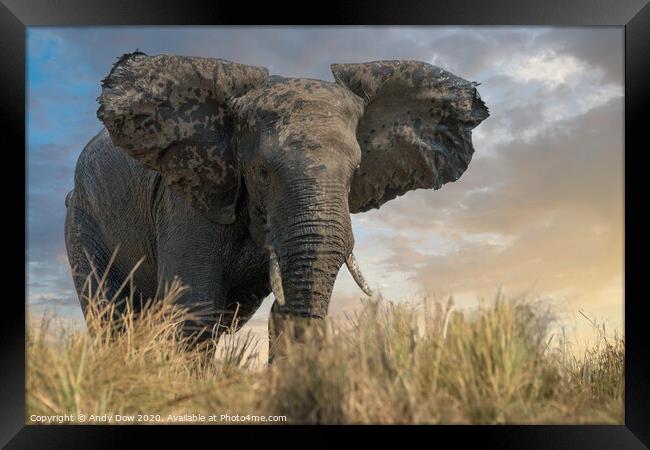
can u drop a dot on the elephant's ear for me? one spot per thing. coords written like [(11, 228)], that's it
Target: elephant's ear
[(173, 114), (415, 131)]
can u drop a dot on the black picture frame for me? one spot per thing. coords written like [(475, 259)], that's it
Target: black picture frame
[(633, 15)]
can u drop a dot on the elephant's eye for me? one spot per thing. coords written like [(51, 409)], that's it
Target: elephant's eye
[(264, 173)]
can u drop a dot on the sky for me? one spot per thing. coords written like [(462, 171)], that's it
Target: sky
[(539, 210)]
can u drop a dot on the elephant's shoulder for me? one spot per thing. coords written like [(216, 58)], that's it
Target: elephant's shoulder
[(106, 177), (101, 159)]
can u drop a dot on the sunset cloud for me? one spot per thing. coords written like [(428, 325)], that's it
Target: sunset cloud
[(548, 67)]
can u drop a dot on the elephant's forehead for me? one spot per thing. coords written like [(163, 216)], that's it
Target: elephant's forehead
[(302, 112), (302, 97)]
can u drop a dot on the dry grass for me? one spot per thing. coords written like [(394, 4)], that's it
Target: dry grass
[(386, 364)]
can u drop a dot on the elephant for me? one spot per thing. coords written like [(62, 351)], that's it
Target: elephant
[(242, 183)]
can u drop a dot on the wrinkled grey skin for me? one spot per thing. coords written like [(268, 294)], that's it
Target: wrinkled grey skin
[(206, 165)]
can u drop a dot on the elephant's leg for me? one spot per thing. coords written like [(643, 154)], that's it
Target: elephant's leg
[(241, 306), (245, 298), (249, 280), (89, 259), (195, 250), (205, 294)]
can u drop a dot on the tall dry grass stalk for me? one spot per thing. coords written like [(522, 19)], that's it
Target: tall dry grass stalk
[(388, 363)]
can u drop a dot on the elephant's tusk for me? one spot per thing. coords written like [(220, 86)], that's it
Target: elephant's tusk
[(353, 267), (276, 278)]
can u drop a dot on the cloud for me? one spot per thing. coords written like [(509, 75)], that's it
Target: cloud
[(600, 47), (548, 67)]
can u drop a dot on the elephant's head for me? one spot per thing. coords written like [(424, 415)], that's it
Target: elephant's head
[(300, 154)]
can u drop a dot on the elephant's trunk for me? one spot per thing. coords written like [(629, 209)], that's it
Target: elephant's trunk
[(310, 238), (309, 262), (275, 276)]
